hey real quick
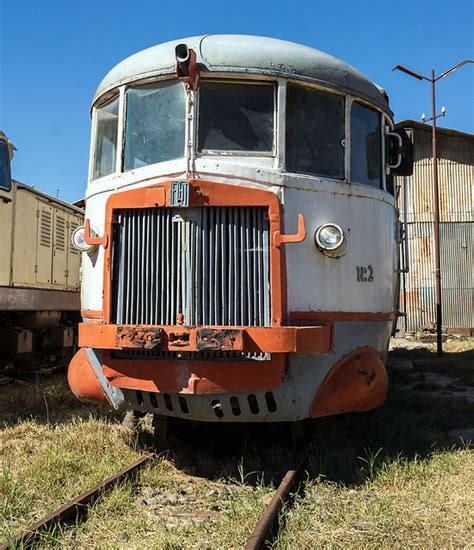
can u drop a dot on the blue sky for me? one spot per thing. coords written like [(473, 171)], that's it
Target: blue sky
[(53, 53)]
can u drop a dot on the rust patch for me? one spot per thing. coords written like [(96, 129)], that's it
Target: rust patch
[(138, 338), (219, 340), (179, 338)]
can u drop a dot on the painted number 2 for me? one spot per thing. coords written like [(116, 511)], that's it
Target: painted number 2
[(365, 274)]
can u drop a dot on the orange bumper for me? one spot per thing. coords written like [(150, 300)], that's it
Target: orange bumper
[(169, 375), (313, 339)]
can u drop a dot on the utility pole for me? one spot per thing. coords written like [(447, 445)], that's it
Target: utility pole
[(433, 79)]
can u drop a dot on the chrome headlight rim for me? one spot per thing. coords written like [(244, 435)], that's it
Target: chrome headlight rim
[(335, 250), (78, 241)]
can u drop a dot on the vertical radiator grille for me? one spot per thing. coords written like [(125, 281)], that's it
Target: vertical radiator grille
[(209, 264)]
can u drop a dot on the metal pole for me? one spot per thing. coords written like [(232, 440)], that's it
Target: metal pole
[(439, 338)]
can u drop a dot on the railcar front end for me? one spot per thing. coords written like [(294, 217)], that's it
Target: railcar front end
[(240, 243)]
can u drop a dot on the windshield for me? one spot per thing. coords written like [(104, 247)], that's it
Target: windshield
[(155, 124), (236, 117), (314, 132)]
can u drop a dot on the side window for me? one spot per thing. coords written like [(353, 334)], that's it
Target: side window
[(366, 146), (105, 140), (155, 127), (5, 176), (314, 132)]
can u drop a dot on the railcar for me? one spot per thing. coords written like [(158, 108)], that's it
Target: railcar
[(240, 245), (39, 273)]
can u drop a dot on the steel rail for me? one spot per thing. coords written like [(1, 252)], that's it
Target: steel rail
[(74, 508), (265, 528)]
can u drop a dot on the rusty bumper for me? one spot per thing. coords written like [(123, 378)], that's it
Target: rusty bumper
[(289, 339)]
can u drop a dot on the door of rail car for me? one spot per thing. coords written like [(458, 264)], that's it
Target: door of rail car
[(6, 214), (73, 257), (44, 243), (60, 246)]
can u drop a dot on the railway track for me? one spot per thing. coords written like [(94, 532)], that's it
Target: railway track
[(270, 523), (73, 509), (265, 531)]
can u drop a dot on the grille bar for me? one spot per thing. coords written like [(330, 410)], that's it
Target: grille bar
[(209, 264)]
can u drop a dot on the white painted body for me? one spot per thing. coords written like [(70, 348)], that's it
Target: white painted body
[(315, 282)]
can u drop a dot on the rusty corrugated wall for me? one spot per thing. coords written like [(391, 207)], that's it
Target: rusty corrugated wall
[(456, 188)]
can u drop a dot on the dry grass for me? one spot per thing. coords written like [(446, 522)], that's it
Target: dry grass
[(405, 503), (52, 448), (42, 466), (47, 399)]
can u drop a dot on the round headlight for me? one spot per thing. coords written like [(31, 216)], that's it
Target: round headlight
[(330, 239), (78, 240)]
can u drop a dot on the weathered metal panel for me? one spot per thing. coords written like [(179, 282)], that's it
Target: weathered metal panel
[(245, 54), (456, 198), (419, 298), (457, 276), (455, 178), (35, 299)]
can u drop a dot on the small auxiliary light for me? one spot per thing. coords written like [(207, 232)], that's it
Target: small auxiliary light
[(78, 240), (330, 240)]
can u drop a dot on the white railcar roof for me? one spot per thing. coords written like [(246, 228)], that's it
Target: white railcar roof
[(246, 54)]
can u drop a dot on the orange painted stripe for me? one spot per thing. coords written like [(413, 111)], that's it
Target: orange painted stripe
[(330, 316)]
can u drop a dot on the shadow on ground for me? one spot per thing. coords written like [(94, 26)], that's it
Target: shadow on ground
[(415, 421)]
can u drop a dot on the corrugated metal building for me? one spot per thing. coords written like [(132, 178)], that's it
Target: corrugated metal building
[(456, 197)]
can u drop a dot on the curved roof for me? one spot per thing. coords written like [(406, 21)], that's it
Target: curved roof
[(248, 54)]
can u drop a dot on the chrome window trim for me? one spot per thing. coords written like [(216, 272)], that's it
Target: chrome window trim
[(280, 120)]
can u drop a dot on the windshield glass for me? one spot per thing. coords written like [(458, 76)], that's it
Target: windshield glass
[(366, 146), (314, 132), (105, 153), (236, 117), (154, 124)]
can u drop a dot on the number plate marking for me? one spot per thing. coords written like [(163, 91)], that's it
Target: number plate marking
[(365, 274)]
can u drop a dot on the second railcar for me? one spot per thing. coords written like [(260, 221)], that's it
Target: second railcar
[(39, 273)]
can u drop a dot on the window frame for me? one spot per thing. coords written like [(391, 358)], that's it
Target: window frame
[(232, 152), (118, 94), (278, 152), (187, 113), (324, 89), (384, 119)]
